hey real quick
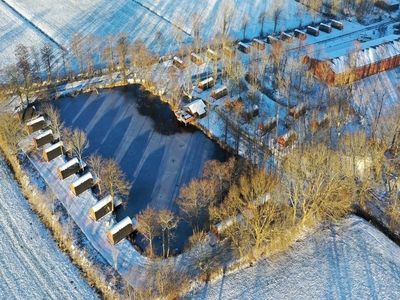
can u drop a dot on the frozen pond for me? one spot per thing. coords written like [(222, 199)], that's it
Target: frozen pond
[(157, 154)]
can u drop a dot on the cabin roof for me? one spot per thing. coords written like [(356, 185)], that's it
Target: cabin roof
[(103, 202), (120, 225), (220, 89), (54, 146), (36, 120), (69, 164), (45, 133), (82, 179), (207, 80), (197, 106)]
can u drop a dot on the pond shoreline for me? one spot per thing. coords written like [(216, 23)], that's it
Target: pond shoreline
[(158, 154)]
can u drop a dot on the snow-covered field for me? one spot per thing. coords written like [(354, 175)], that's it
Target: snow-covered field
[(13, 31), (31, 264), (160, 24), (352, 260)]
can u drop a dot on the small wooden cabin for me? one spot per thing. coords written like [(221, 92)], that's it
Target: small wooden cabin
[(211, 54), (120, 231), (43, 138), (313, 31), (286, 37), (388, 5), (301, 35), (337, 25), (83, 184), (272, 40), (259, 44), (319, 122), (36, 124), (263, 128), (178, 62), (244, 47), (325, 28), (206, 83), (219, 92), (53, 151), (228, 51), (297, 110), (287, 139), (196, 59), (70, 168), (102, 208)]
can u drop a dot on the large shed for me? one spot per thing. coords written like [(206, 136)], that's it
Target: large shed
[(102, 208), (344, 66), (83, 184), (197, 108), (43, 138), (70, 168), (120, 231), (53, 151)]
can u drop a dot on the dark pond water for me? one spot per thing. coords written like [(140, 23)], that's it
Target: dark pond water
[(157, 154)]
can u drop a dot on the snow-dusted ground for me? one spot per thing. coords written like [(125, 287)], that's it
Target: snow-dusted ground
[(13, 31), (31, 264), (352, 260)]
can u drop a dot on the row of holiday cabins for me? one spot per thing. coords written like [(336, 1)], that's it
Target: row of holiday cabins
[(44, 138)]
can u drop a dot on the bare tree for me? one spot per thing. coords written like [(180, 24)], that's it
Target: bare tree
[(113, 180), (11, 132), (141, 57), (276, 15), (76, 141), (196, 27), (261, 19), (227, 11), (78, 50), (168, 222), (66, 63), (108, 54), (24, 67), (14, 84), (194, 200), (148, 226), (47, 52), (122, 50), (317, 185), (56, 125), (222, 173), (36, 65), (245, 23), (96, 163)]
